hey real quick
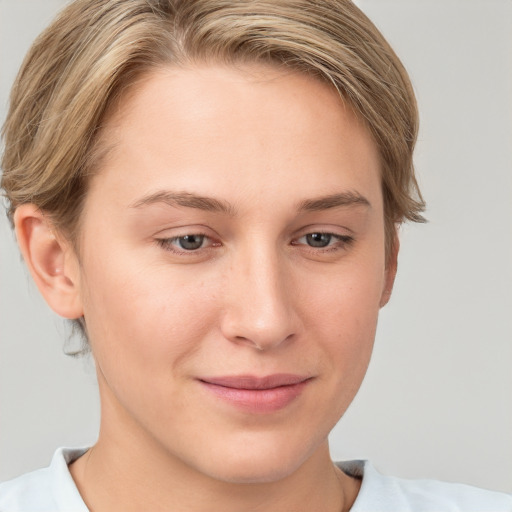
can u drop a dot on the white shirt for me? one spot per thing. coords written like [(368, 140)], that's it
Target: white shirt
[(52, 489)]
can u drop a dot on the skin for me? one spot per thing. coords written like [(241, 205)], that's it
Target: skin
[(256, 298)]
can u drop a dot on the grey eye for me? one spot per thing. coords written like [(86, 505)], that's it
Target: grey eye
[(318, 239), (190, 242)]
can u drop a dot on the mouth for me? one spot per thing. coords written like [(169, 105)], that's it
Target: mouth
[(257, 394)]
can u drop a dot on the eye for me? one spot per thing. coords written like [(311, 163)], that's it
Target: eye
[(189, 242), (318, 239), (186, 243), (321, 240)]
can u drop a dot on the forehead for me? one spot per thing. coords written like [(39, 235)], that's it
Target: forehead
[(204, 126)]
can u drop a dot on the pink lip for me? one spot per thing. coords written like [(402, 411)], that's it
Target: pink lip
[(257, 394)]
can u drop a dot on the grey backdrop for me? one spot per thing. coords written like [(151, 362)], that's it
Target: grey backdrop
[(437, 398)]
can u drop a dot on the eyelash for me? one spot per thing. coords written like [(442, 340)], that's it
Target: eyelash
[(341, 242), (168, 243)]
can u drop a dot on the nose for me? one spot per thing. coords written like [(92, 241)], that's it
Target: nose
[(258, 302)]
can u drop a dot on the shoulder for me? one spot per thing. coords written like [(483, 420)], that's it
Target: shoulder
[(380, 493), (50, 488)]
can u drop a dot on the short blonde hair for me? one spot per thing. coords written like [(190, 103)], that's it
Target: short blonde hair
[(81, 64)]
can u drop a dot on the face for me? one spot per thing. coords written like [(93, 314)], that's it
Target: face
[(232, 268)]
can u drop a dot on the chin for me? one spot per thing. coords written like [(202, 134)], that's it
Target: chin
[(253, 471), (258, 463)]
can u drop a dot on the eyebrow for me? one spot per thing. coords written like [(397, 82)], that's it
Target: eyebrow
[(186, 199), (333, 201), (210, 204)]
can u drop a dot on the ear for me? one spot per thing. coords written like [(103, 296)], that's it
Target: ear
[(390, 272), (51, 261)]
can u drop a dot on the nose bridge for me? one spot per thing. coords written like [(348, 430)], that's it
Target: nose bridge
[(259, 309)]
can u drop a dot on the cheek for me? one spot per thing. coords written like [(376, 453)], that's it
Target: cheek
[(145, 334), (346, 301), (344, 315), (143, 318)]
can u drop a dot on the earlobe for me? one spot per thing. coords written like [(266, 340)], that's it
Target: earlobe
[(50, 260), (391, 268)]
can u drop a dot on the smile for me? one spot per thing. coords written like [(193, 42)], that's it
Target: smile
[(257, 394)]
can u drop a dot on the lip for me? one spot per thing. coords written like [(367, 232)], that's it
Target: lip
[(254, 394)]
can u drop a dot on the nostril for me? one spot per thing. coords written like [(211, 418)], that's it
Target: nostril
[(262, 340)]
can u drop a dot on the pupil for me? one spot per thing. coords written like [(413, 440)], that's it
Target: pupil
[(318, 239), (191, 242)]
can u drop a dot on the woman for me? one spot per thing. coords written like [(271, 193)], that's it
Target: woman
[(210, 191)]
